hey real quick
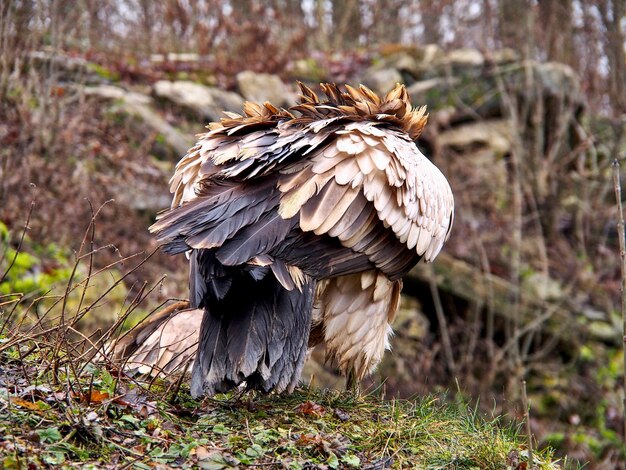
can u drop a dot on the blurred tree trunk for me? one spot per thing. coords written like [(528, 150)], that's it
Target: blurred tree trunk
[(557, 30), (612, 13), (19, 14), (292, 13), (431, 13), (514, 18), (94, 29), (589, 53), (242, 8), (291, 16), (386, 24), (346, 23), (321, 37), (487, 25), (147, 23)]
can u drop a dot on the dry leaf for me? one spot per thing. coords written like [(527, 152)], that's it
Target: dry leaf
[(33, 406), (201, 452), (309, 439), (309, 408), (95, 396)]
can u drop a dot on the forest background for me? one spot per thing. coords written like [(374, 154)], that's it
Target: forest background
[(527, 103)]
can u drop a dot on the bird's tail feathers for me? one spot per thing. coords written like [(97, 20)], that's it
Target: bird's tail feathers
[(257, 333)]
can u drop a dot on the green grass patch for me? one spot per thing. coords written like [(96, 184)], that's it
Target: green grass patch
[(59, 413)]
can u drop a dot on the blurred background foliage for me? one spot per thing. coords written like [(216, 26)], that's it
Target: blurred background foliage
[(270, 36), (527, 102)]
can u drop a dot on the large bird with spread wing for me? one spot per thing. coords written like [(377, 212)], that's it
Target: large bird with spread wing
[(299, 225)]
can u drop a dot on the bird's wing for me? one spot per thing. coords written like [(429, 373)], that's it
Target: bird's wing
[(366, 163), (164, 344)]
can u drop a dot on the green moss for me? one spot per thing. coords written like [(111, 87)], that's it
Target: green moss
[(104, 72)]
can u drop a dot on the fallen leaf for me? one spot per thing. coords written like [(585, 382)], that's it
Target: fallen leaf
[(309, 408), (201, 452), (512, 459), (309, 439), (139, 448), (121, 402), (33, 406), (144, 412), (98, 397), (36, 390), (93, 396)]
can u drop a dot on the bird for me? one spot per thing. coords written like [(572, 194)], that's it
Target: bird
[(299, 224)]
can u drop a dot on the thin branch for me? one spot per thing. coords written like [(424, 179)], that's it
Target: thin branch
[(19, 245), (622, 254), (443, 325), (528, 430)]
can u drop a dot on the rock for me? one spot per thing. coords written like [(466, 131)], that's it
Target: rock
[(118, 93), (542, 286), (495, 135), (143, 106), (409, 323), (144, 196), (405, 65), (66, 68), (465, 58), (464, 281), (261, 87), (504, 56), (458, 62), (381, 80), (550, 79), (414, 63), (431, 54), (483, 145), (175, 57), (208, 102), (319, 373), (402, 62), (558, 80), (308, 70), (424, 86), (431, 92), (604, 331)]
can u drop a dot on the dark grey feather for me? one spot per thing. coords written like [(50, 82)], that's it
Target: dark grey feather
[(258, 338), (255, 239)]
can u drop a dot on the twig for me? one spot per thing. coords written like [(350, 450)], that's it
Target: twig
[(527, 419), (622, 254), (443, 325), (19, 245), (248, 433), (9, 314)]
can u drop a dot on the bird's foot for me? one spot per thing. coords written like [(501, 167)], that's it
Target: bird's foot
[(353, 385)]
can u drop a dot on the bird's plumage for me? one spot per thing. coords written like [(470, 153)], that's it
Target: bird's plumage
[(300, 224)]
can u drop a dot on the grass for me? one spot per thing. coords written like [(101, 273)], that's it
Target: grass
[(63, 414)]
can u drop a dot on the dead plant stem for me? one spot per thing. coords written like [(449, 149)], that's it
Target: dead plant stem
[(622, 253), (443, 325), (528, 430), (19, 245)]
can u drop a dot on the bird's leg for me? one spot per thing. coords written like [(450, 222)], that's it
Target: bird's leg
[(352, 383)]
